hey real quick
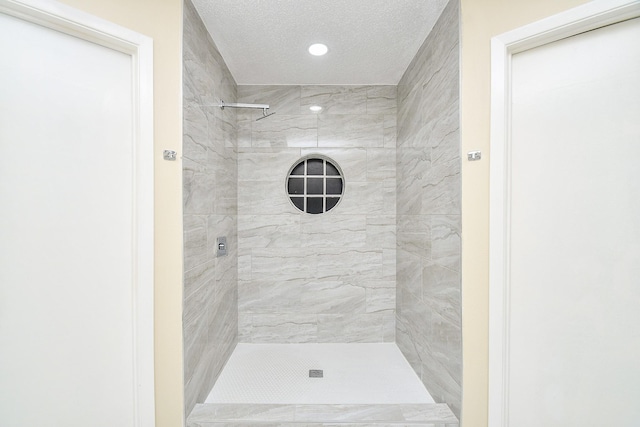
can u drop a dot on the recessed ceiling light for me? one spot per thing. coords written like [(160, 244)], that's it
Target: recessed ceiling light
[(315, 108), (318, 49)]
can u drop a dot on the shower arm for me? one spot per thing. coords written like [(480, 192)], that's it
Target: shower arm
[(263, 107)]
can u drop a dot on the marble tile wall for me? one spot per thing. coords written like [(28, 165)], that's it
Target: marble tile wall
[(428, 212), (210, 311), (379, 415), (328, 277)]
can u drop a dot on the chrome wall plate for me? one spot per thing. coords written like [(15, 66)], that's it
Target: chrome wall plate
[(221, 246), (474, 155), (169, 155)]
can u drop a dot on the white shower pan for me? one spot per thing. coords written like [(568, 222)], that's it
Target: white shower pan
[(374, 373)]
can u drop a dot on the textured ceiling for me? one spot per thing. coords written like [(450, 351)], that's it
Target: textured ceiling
[(370, 41)]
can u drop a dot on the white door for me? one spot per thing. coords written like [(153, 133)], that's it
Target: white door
[(69, 223), (573, 353)]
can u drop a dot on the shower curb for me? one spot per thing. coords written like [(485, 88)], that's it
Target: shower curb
[(380, 415)]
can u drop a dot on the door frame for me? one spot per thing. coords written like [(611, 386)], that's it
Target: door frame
[(65, 19), (587, 17)]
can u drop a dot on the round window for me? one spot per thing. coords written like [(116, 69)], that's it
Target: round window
[(315, 184)]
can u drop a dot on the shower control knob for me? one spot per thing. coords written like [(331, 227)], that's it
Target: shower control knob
[(222, 246)]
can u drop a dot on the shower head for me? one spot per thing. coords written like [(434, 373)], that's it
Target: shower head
[(264, 107), (264, 114)]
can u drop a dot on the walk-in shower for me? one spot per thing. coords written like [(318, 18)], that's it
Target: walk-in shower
[(366, 290)]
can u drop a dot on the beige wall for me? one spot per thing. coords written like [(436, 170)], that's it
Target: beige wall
[(161, 20), (482, 20)]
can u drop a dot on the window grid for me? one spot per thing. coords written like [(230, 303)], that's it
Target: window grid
[(322, 195)]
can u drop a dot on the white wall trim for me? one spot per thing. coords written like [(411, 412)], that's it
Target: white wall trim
[(584, 18), (71, 21)]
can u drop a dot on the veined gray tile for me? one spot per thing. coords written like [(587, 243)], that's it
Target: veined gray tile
[(350, 327), (352, 161), (352, 413), (428, 412), (190, 95), (442, 386), (195, 241), (350, 130), (445, 237), (283, 328), (227, 269), (447, 342), (263, 198), (270, 166), (244, 264), (389, 264), (244, 127), (222, 162), (417, 244), (361, 198), (409, 119), (191, 173), (390, 130), (334, 99), (285, 131), (389, 197), (441, 108), (197, 277), (409, 271), (413, 166), (446, 148), (222, 332), (278, 296), (194, 318), (223, 165), (264, 231), (281, 99), (414, 224), (428, 122), (196, 383), (441, 191), (249, 298), (381, 99), (381, 231), (406, 343), (348, 262), (245, 327), (301, 296), (283, 263), (381, 164), (381, 299), (329, 297), (198, 80), (195, 136), (441, 290), (239, 412), (227, 206), (339, 231), (222, 131), (210, 186), (194, 31), (389, 326)]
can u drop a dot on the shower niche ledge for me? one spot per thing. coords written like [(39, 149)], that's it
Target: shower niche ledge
[(421, 414)]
